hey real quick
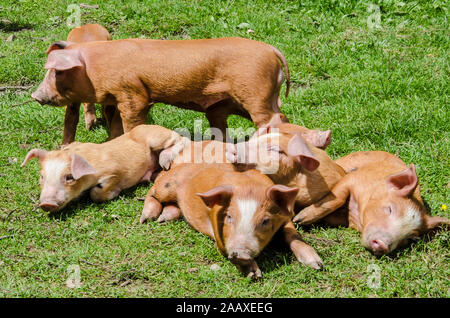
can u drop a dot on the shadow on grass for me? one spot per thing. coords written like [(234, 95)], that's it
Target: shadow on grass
[(9, 26), (85, 201)]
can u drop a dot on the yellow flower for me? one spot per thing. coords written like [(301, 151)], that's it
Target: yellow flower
[(444, 207)]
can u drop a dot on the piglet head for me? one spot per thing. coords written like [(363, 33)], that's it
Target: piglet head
[(66, 80), (280, 155), (317, 138), (397, 215), (245, 220), (63, 177)]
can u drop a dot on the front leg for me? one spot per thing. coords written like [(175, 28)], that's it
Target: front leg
[(330, 203), (250, 269), (71, 118), (106, 189), (304, 253)]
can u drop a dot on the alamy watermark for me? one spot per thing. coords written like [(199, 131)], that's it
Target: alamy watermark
[(374, 278), (374, 19), (73, 276)]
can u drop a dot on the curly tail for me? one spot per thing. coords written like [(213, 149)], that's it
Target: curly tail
[(286, 69)]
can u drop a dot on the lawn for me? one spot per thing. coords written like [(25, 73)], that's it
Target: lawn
[(374, 72)]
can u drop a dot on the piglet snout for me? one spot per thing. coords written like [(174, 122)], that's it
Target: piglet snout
[(39, 97), (378, 247), (48, 206), (240, 258)]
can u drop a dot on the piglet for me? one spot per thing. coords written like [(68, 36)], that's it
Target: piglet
[(214, 151), (104, 169), (384, 202), (281, 152), (241, 211)]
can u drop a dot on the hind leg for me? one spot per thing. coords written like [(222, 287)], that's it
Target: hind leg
[(170, 213), (163, 191), (90, 118), (217, 116)]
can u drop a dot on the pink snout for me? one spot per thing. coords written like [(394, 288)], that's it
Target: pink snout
[(240, 258), (38, 97), (378, 247), (49, 206)]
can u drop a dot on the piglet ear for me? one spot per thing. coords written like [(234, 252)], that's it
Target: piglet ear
[(403, 183), (218, 195), (297, 147), (62, 60), (276, 120), (283, 196), (432, 222), (59, 45), (81, 167), (324, 139), (34, 153)]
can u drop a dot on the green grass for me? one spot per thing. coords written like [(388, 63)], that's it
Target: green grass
[(377, 89)]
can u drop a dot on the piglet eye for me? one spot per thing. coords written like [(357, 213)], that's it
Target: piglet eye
[(69, 178), (228, 218), (388, 210), (265, 222)]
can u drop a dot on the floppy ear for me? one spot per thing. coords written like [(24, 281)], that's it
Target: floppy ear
[(324, 139), (62, 60), (283, 196), (297, 147), (403, 183), (218, 195), (80, 167), (35, 153), (59, 45), (432, 222)]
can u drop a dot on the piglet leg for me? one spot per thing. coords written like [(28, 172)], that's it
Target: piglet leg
[(90, 118), (304, 253), (70, 123), (251, 269), (170, 213), (152, 209), (330, 203)]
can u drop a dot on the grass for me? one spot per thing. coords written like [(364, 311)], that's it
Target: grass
[(377, 89)]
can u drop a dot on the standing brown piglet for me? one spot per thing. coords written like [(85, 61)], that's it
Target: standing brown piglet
[(240, 211), (216, 76), (384, 202), (105, 169)]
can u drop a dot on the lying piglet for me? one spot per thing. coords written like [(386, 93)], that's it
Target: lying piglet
[(213, 151), (240, 211), (283, 154), (105, 169), (317, 138), (384, 202)]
